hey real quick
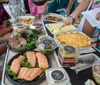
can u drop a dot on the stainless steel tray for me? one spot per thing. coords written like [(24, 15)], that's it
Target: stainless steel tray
[(10, 54), (54, 15), (47, 25), (23, 17), (82, 48)]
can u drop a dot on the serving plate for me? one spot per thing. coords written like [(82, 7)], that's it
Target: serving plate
[(53, 15), (57, 29), (36, 81), (28, 49)]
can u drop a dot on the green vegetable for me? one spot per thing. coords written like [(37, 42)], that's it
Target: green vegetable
[(30, 43), (44, 69), (10, 73), (34, 31), (6, 22), (18, 35), (23, 47), (36, 65), (15, 78), (25, 64), (25, 56)]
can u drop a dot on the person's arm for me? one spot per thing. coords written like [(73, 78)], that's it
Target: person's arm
[(71, 2), (3, 46), (98, 16), (81, 7), (45, 9), (4, 31)]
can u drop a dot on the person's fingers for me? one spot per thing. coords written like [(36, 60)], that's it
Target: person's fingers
[(68, 21), (67, 12)]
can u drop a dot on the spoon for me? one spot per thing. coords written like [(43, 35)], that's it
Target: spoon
[(62, 26)]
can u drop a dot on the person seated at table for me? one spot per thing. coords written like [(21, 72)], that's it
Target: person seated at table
[(68, 5), (5, 29), (87, 28)]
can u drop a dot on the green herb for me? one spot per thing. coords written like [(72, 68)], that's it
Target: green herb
[(24, 55), (25, 64), (10, 73), (44, 69), (30, 43), (23, 47), (6, 22), (18, 35), (36, 65), (34, 31), (15, 78)]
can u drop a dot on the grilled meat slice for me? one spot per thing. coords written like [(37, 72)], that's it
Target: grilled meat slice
[(23, 71), (32, 74), (15, 66), (42, 60), (22, 41), (14, 43), (31, 58)]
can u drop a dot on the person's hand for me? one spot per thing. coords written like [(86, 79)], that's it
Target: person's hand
[(98, 16), (67, 11), (68, 21)]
